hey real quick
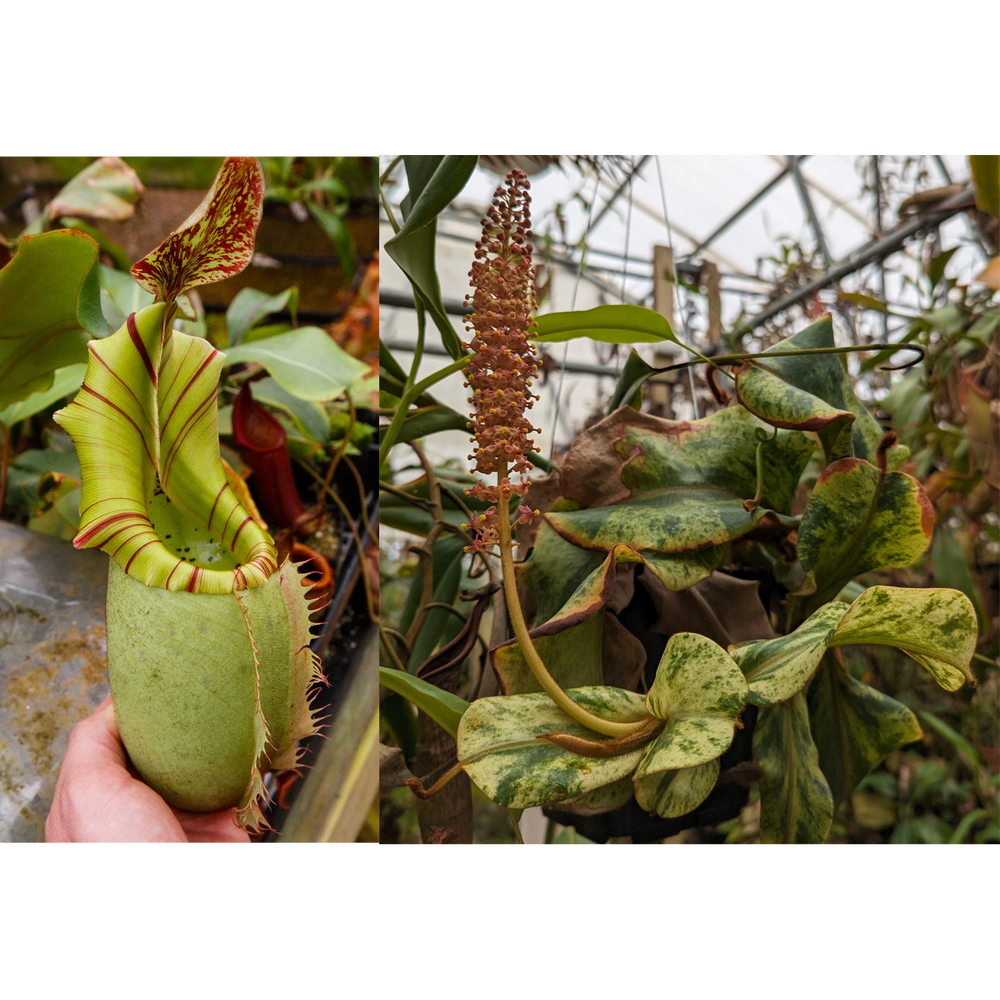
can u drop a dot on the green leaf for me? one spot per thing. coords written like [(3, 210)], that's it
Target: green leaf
[(65, 381), (107, 189), (250, 306), (444, 708), (986, 182), (500, 747), (796, 805), (332, 223), (308, 417), (304, 362), (936, 627), (776, 669), (937, 264), (859, 519), (121, 296), (434, 182), (700, 692), (855, 727), (812, 393), (864, 301), (628, 391), (50, 307), (614, 324), (215, 241), (952, 571), (675, 793), (430, 420)]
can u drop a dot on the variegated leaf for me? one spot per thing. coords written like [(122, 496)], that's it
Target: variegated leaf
[(502, 750), (813, 393), (155, 494), (107, 189), (854, 726), (936, 627), (675, 793), (776, 669), (215, 241), (700, 692), (859, 519), (796, 806)]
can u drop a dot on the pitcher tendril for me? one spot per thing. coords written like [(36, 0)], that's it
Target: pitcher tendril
[(500, 373)]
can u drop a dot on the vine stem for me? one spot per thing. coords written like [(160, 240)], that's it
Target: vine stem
[(528, 651)]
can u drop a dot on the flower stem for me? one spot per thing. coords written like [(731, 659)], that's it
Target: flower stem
[(528, 651)]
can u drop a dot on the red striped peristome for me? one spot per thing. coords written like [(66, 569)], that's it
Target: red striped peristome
[(126, 454)]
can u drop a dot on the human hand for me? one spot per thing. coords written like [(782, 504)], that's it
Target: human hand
[(97, 800)]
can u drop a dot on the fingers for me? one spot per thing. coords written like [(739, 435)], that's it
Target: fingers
[(212, 828)]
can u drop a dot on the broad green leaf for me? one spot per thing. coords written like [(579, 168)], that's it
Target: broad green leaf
[(796, 806), (951, 571), (776, 669), (936, 627), (65, 381), (628, 391), (700, 692), (250, 306), (430, 420), (50, 307), (986, 182), (332, 223), (812, 393), (444, 708), (854, 726), (308, 417), (554, 570), (304, 362), (155, 493), (108, 246), (121, 296), (435, 181), (675, 793), (570, 642), (614, 324), (500, 747), (859, 519), (684, 483), (215, 241), (107, 189)]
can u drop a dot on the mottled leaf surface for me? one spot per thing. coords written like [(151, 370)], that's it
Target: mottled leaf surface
[(854, 726), (498, 741), (215, 241), (776, 669), (700, 692), (937, 627), (860, 519), (676, 793), (796, 806), (812, 393)]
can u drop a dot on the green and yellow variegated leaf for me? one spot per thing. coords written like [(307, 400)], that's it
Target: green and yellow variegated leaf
[(675, 793), (796, 806), (50, 307), (569, 643), (859, 519), (936, 627), (600, 800), (107, 189), (700, 692), (500, 745), (684, 484), (776, 669), (813, 393), (215, 241), (155, 493), (854, 726)]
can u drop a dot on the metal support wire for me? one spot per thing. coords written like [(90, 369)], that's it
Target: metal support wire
[(742, 210), (811, 217), (677, 286), (872, 251), (614, 197)]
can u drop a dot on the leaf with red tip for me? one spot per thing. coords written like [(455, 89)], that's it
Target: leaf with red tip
[(215, 241)]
